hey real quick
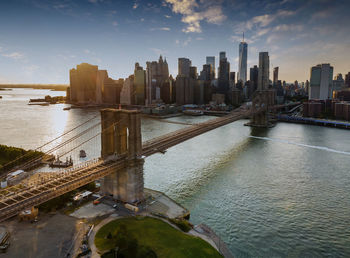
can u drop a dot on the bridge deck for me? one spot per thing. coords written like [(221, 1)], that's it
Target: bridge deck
[(27, 196)]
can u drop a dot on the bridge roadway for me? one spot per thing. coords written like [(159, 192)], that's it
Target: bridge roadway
[(32, 195)]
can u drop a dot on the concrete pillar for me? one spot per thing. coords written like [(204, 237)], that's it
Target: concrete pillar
[(130, 182), (262, 100), (125, 184), (108, 131)]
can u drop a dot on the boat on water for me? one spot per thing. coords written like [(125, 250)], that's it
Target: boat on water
[(82, 154), (38, 103), (60, 164), (193, 112)]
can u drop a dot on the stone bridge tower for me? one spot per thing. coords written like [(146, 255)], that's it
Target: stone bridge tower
[(121, 136), (262, 100)]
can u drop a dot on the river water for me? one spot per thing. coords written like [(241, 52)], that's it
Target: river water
[(279, 192)]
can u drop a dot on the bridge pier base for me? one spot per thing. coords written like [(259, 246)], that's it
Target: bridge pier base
[(262, 100), (126, 184), (121, 137)]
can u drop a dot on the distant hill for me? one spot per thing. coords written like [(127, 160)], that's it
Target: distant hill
[(58, 87)]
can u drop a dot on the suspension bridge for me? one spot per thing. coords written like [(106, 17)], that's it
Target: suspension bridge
[(120, 165)]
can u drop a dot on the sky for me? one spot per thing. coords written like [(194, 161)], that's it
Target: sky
[(40, 40)]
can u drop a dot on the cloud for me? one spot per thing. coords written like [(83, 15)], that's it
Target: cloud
[(158, 51), (290, 27), (193, 13), (262, 21), (95, 1), (162, 28), (14, 55), (115, 23), (135, 5), (167, 16), (321, 15), (185, 42), (30, 69)]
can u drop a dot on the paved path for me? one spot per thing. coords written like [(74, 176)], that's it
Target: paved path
[(94, 253)]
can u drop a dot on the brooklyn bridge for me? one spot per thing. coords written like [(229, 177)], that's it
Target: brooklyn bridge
[(120, 166)]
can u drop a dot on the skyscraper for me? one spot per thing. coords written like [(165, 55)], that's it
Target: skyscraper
[(193, 72), (347, 80), (222, 55), (338, 82), (254, 75), (224, 74), (264, 72), (232, 80), (86, 84), (139, 84), (275, 75), (242, 62), (156, 74), (210, 60), (184, 65), (321, 82), (206, 73)]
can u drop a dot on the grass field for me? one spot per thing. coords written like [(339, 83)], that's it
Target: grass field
[(154, 234)]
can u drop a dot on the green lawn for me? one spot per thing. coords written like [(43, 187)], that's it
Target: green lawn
[(154, 234)]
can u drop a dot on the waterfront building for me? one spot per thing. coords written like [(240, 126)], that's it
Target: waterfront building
[(198, 92), (139, 84), (166, 91), (275, 76), (232, 80), (254, 75), (242, 62), (184, 65), (112, 89), (83, 84), (102, 75), (347, 80), (279, 92), (264, 72), (127, 93), (206, 73), (193, 72), (296, 85), (224, 74), (236, 97), (321, 82), (210, 60), (156, 74), (184, 90), (307, 86), (338, 82), (222, 55)]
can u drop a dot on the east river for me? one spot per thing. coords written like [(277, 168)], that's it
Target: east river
[(279, 192)]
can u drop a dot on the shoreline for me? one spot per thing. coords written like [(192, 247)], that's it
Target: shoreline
[(314, 121)]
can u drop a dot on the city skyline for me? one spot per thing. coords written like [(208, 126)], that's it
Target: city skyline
[(47, 38)]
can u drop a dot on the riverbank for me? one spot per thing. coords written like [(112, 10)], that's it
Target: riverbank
[(139, 236), (11, 157), (79, 227), (55, 87), (314, 121)]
